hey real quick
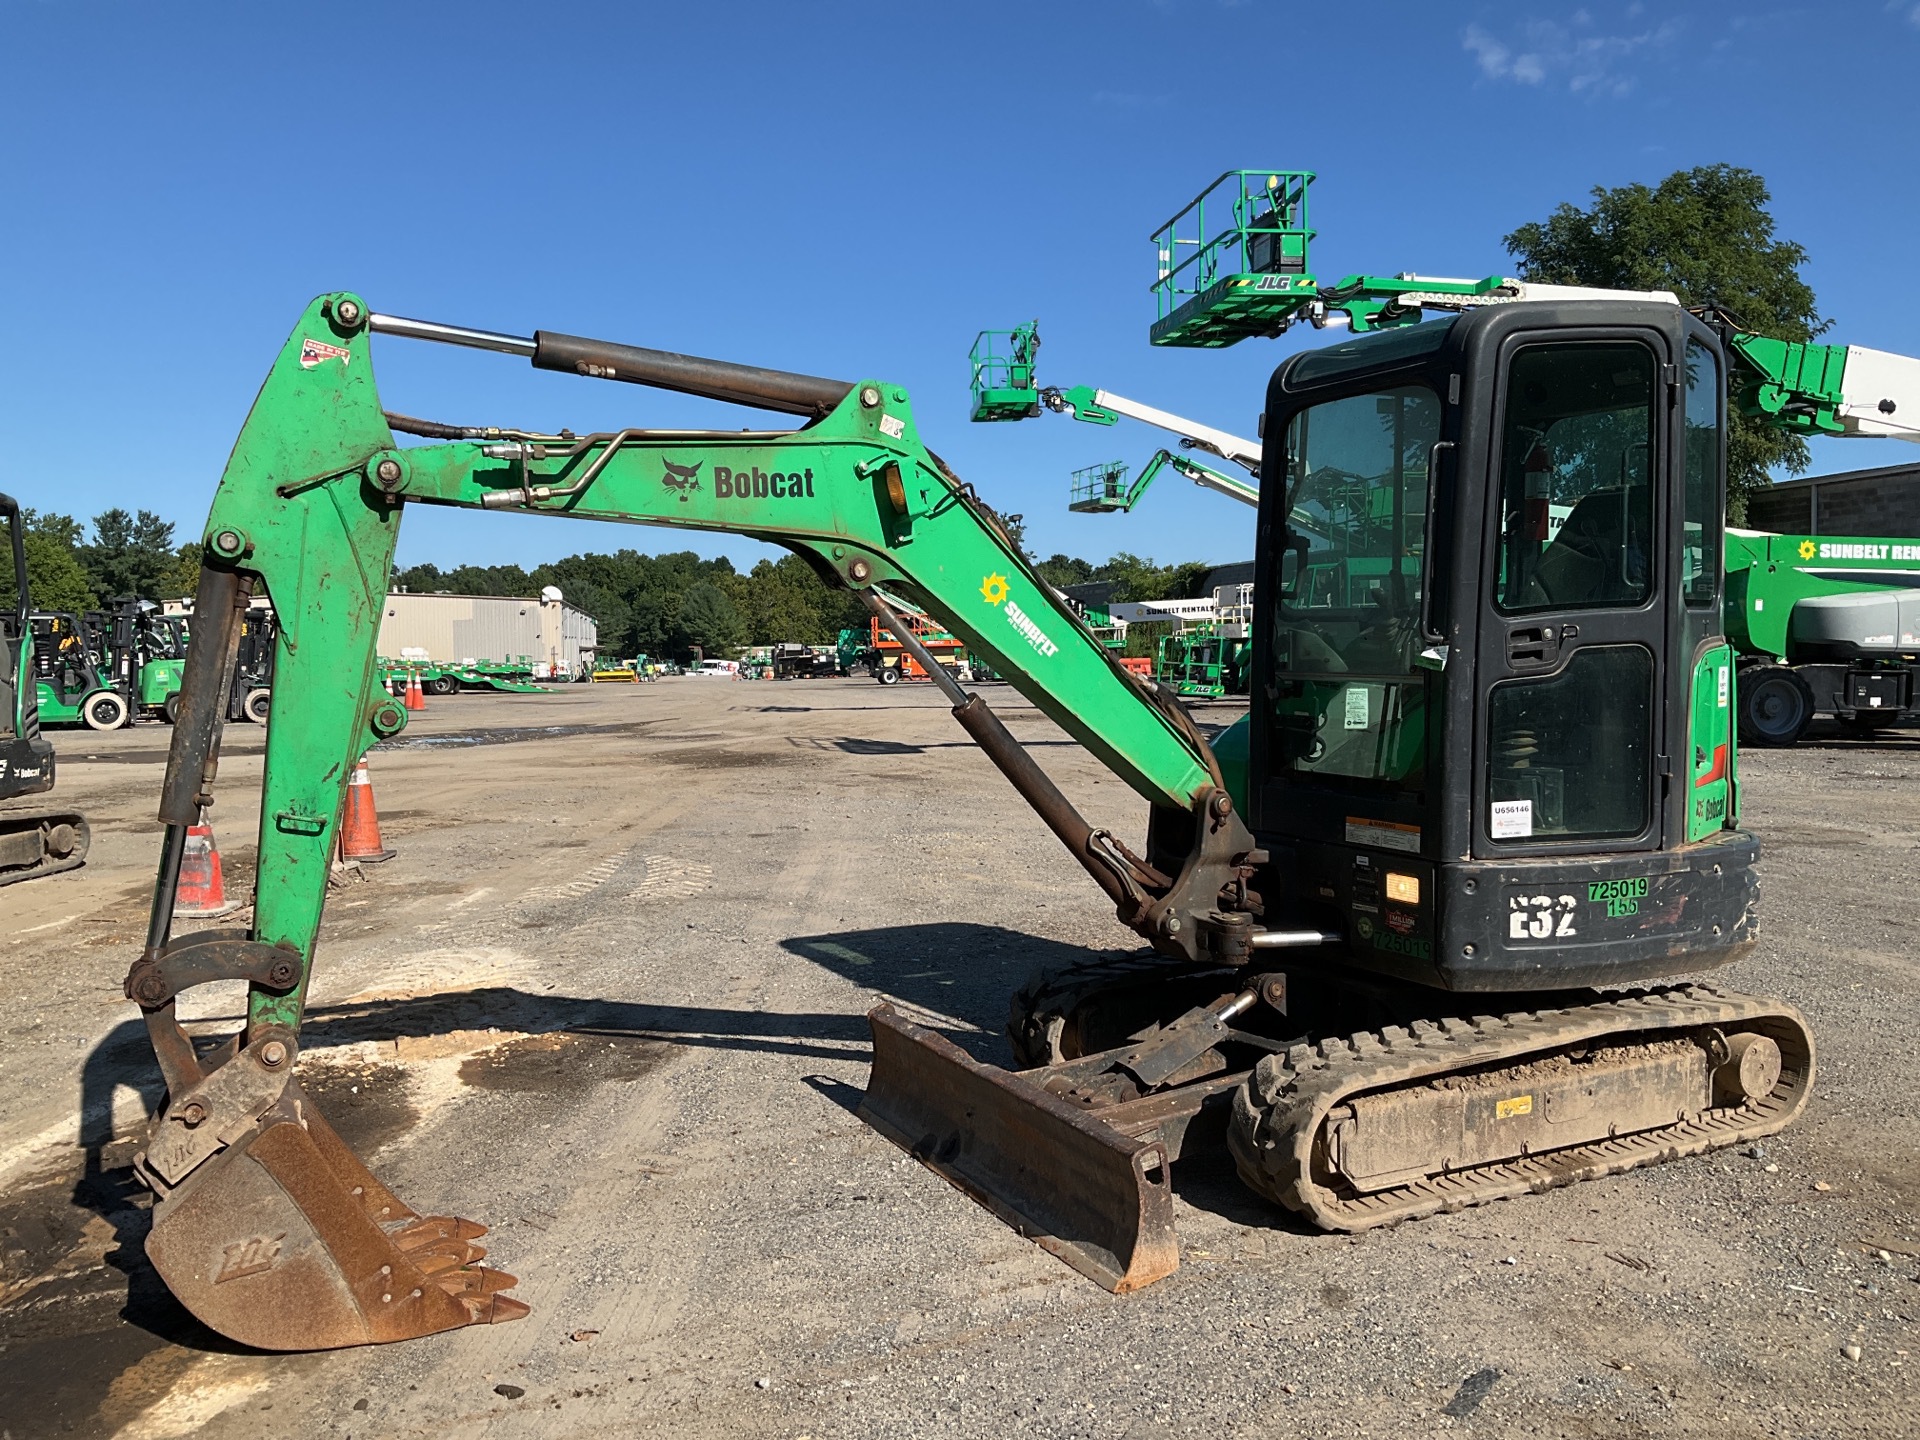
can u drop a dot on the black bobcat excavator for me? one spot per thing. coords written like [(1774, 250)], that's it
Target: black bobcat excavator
[(1401, 921), (32, 842)]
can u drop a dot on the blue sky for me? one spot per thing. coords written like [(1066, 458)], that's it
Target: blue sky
[(846, 189)]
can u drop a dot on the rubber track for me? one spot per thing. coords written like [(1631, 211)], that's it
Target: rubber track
[(19, 822), (1278, 1114)]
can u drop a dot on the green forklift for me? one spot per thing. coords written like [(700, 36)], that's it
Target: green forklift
[(72, 681)]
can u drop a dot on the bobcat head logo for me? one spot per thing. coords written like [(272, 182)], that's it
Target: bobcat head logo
[(683, 480)]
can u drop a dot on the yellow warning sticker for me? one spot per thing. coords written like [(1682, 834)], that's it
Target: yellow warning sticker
[(1518, 1105)]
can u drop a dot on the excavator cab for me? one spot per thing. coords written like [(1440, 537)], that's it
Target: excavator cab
[(1491, 711)]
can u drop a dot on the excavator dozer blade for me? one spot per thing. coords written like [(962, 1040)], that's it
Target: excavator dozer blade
[(1097, 1199), (285, 1241)]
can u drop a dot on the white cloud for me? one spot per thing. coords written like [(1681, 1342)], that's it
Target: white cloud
[(1495, 59), (1589, 62)]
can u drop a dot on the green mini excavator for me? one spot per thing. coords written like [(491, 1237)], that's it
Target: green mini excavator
[(1410, 930), (33, 842)]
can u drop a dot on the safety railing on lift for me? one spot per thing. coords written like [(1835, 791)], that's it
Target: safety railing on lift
[(1234, 260)]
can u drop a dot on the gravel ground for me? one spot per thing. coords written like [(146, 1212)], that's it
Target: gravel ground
[(608, 999)]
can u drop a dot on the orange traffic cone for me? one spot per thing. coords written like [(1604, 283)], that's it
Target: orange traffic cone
[(360, 822), (416, 697), (201, 890)]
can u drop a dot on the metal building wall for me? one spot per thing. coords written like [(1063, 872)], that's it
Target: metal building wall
[(1883, 501), (486, 627)]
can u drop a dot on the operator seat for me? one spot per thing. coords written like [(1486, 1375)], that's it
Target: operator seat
[(1600, 555)]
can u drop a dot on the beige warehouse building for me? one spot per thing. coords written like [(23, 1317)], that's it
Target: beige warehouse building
[(558, 638)]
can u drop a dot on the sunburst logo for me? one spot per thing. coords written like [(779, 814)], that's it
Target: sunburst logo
[(1808, 549), (993, 589)]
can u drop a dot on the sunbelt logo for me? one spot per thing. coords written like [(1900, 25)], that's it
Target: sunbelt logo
[(994, 590), (1857, 550)]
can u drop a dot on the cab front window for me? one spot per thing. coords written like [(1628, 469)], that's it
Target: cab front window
[(1349, 700)]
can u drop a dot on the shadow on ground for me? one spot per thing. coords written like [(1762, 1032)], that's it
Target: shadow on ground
[(81, 1310), (953, 970)]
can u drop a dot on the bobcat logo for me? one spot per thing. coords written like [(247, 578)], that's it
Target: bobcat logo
[(683, 480)]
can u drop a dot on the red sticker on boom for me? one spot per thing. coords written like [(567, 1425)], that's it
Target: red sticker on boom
[(312, 352)]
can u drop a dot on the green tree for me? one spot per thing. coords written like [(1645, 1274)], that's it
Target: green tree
[(56, 580), (129, 555), (1705, 234), (183, 577), (421, 579), (784, 600), (708, 621), (655, 618), (428, 579), (1135, 578), (1061, 570), (613, 621)]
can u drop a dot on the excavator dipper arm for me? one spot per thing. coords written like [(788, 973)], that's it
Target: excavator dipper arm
[(266, 1226)]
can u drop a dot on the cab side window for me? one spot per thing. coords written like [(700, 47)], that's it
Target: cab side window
[(1703, 467)]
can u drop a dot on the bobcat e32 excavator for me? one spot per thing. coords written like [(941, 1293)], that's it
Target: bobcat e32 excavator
[(1397, 918)]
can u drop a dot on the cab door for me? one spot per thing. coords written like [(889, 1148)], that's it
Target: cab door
[(1570, 739)]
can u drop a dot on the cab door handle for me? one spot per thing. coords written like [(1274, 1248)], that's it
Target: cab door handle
[(1533, 646)]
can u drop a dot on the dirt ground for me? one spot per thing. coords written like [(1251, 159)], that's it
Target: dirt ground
[(608, 999)]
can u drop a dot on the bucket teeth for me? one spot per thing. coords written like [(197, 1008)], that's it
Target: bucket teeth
[(475, 1281), (286, 1241), (446, 1255), (494, 1309), (480, 1293), (427, 1229)]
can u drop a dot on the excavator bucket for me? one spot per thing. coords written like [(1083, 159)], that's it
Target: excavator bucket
[(1099, 1200), (285, 1241)]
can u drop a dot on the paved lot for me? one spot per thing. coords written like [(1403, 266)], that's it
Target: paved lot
[(608, 999)]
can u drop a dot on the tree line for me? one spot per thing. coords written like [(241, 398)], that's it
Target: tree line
[(661, 605), (126, 554), (669, 605)]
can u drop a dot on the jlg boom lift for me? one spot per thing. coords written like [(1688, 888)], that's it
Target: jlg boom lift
[(1401, 922)]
